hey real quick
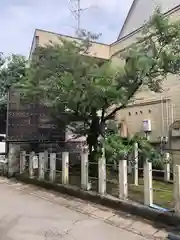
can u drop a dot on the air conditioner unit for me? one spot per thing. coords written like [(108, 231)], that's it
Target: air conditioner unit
[(147, 125)]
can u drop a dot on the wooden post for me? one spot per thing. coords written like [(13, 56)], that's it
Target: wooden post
[(102, 174), (31, 171), (22, 161), (167, 167), (84, 170), (65, 168), (123, 185), (148, 190), (41, 166), (52, 174), (136, 164)]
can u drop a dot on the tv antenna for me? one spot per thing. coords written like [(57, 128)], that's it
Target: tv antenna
[(77, 10)]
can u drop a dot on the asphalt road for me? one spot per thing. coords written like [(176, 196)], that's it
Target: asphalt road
[(27, 213)]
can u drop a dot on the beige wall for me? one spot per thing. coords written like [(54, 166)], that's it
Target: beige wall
[(96, 50), (147, 104)]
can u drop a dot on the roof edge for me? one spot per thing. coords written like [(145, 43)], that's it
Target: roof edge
[(140, 28), (69, 36), (129, 12), (172, 10)]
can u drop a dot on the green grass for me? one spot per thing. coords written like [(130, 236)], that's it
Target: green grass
[(163, 196), (162, 191)]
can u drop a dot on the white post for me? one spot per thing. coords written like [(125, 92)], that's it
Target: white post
[(52, 174), (148, 190), (129, 164), (41, 166), (22, 161), (123, 185), (136, 164), (46, 161), (167, 167), (31, 170), (13, 159), (177, 189), (84, 170), (102, 174), (65, 168)]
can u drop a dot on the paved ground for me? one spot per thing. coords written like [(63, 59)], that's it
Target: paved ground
[(31, 213)]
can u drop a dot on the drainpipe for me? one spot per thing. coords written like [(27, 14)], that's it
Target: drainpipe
[(162, 117)]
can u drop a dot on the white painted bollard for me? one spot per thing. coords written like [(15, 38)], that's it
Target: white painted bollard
[(52, 174), (84, 170), (135, 172), (102, 174), (31, 171), (167, 169), (148, 189), (41, 166), (177, 189), (123, 185), (22, 161), (65, 168)]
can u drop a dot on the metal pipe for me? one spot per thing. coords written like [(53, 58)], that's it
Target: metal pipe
[(162, 117)]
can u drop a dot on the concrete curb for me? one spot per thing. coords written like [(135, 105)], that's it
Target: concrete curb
[(133, 208)]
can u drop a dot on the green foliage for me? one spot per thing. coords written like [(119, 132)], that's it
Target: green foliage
[(118, 148), (12, 70)]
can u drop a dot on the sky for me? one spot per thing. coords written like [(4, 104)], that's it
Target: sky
[(19, 19)]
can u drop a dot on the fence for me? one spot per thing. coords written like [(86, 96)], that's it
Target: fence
[(123, 180)]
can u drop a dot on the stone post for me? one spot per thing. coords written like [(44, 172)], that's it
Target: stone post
[(177, 189), (46, 160), (167, 170), (123, 184), (22, 161), (135, 172), (52, 174), (65, 168), (84, 170), (13, 159), (148, 189), (31, 170), (41, 166), (102, 174)]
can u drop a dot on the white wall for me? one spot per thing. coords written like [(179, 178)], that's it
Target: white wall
[(2, 147), (141, 12)]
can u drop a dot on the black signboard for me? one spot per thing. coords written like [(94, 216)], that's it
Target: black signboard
[(31, 122)]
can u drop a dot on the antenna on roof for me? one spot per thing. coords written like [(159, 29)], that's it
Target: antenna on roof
[(77, 10)]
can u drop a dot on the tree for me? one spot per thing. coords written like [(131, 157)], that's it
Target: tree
[(12, 70), (91, 89)]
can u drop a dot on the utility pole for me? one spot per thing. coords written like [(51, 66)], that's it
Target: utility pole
[(79, 15), (77, 10)]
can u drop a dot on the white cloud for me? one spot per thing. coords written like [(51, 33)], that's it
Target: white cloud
[(19, 18)]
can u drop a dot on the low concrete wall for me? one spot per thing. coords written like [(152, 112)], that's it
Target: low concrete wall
[(166, 218)]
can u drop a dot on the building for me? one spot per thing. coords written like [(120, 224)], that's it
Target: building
[(160, 109)]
